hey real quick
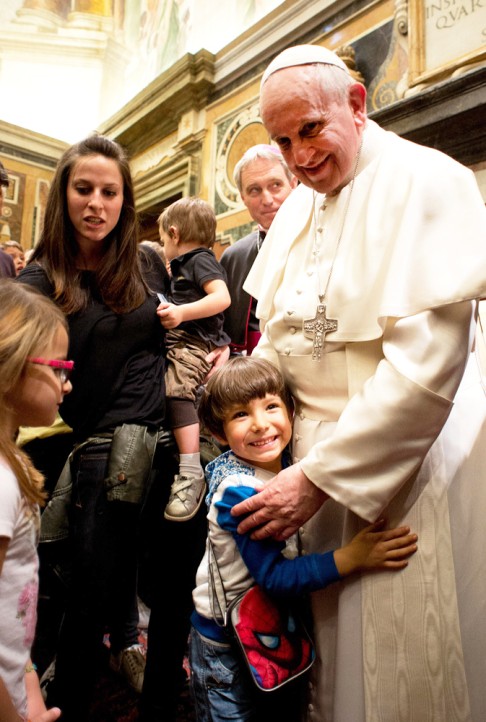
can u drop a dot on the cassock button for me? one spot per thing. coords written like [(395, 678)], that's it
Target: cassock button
[(310, 271), (290, 313), (121, 476), (292, 329), (298, 290), (288, 351)]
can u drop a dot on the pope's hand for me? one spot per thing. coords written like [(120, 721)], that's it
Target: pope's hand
[(278, 511)]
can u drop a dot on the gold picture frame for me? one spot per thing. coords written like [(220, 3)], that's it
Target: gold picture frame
[(445, 35), (12, 191)]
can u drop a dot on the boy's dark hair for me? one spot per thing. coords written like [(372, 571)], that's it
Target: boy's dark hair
[(194, 218), (239, 381)]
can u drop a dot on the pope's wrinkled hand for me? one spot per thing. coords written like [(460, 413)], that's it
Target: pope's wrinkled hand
[(278, 511)]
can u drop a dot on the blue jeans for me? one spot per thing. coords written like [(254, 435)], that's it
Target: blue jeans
[(102, 589), (222, 688)]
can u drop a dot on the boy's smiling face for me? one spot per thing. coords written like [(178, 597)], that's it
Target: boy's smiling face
[(259, 431)]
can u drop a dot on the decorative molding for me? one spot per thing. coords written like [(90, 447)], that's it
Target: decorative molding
[(176, 176), (448, 116), (152, 157), (224, 239), (38, 18), (156, 111), (348, 54), (34, 148), (227, 131), (91, 21), (12, 192), (66, 43), (401, 16), (292, 22)]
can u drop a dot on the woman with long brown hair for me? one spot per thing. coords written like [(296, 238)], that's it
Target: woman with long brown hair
[(89, 261)]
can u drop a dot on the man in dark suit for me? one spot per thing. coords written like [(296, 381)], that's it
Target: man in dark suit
[(264, 182), (7, 268)]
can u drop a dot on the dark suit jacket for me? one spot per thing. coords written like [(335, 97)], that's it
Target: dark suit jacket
[(237, 261)]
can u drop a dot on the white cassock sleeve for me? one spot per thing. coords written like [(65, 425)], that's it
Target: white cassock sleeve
[(386, 430), (264, 348)]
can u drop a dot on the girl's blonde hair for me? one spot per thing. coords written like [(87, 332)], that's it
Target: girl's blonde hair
[(29, 323)]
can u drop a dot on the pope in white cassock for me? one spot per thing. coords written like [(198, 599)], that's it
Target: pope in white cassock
[(368, 286)]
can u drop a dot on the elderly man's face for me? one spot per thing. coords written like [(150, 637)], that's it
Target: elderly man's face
[(318, 133), (264, 187)]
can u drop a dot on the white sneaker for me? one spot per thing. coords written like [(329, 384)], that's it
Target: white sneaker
[(186, 496), (130, 663)]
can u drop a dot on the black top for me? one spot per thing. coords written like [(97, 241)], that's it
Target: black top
[(189, 274), (119, 358)]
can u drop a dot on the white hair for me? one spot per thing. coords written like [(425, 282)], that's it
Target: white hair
[(267, 152)]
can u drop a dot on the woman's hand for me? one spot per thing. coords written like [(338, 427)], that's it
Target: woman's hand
[(217, 358)]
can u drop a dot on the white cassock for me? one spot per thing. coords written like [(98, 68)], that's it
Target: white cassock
[(377, 429)]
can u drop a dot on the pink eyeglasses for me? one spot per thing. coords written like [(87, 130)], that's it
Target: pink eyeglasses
[(62, 369)]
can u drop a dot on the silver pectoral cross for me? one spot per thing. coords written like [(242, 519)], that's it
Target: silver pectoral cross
[(317, 327)]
